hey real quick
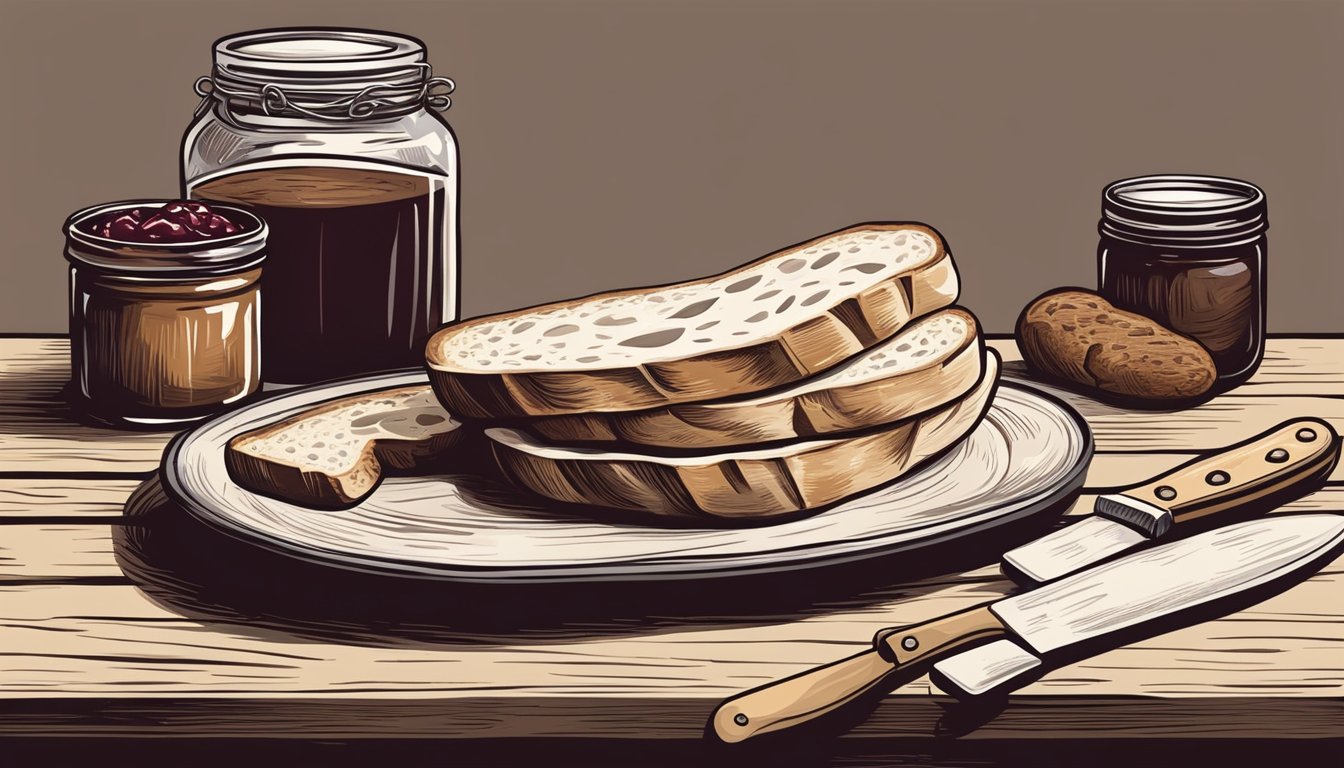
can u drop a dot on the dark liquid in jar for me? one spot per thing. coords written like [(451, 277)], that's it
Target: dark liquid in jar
[(356, 276), (1215, 298)]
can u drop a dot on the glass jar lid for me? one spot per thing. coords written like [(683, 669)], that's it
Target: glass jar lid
[(325, 74), (1183, 211)]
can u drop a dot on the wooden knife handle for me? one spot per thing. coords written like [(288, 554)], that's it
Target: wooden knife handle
[(1292, 452), (933, 640), (811, 694)]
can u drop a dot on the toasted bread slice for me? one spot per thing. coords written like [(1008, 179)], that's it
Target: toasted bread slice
[(756, 484), (768, 324), (933, 361), (334, 455)]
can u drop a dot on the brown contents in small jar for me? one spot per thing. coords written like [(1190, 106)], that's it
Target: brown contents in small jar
[(1189, 253), (177, 347), (1214, 300), (164, 310)]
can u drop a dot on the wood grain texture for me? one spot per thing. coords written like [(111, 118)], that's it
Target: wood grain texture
[(82, 657), (108, 646), (37, 433), (35, 549), (46, 552), (90, 645), (27, 500), (1225, 419), (38, 430), (1027, 720), (1291, 366)]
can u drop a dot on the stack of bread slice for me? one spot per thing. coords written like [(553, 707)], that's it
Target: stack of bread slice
[(803, 378)]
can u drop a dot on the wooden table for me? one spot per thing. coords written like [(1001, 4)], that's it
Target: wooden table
[(99, 639)]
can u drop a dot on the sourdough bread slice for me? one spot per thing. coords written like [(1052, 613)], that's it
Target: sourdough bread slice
[(930, 363), (768, 324), (333, 456), (757, 484)]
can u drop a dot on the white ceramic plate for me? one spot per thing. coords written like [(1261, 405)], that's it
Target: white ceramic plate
[(1028, 455)]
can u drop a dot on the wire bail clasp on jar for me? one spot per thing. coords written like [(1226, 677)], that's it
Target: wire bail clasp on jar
[(375, 100)]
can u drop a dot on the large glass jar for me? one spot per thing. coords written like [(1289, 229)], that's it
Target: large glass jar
[(1189, 252), (334, 138)]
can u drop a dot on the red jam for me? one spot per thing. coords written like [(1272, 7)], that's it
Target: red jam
[(181, 221)]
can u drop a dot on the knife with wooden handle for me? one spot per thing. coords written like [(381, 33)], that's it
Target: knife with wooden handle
[(1288, 457), (1294, 453), (1106, 599), (818, 691)]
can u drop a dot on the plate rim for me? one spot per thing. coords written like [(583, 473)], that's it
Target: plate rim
[(1019, 508)]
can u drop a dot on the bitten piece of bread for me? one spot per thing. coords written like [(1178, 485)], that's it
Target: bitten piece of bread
[(768, 324), (933, 361), (334, 455), (758, 483), (1080, 337)]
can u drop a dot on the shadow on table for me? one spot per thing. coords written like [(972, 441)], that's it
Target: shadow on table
[(1171, 752), (206, 575), (35, 398), (1093, 403), (197, 571)]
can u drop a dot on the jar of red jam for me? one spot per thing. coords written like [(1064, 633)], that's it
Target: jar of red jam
[(1189, 252), (164, 310)]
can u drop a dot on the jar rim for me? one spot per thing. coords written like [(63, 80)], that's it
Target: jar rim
[(1183, 194), (231, 253), (325, 74), (1183, 210), (316, 52)]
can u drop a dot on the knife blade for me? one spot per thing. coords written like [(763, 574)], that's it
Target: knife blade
[(1272, 464), (984, 668), (1124, 593)]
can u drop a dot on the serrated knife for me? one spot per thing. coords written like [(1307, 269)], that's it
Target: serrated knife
[(1271, 464), (1124, 593)]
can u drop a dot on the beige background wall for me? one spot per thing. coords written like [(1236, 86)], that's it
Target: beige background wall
[(612, 143)]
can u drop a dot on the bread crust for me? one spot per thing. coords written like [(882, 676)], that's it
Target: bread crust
[(784, 415), (294, 483), (810, 347), (747, 486), (1078, 336)]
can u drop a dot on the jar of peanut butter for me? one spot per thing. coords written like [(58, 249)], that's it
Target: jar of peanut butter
[(164, 310)]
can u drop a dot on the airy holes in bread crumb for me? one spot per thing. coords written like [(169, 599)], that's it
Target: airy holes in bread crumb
[(656, 339), (661, 315), (694, 309), (743, 284)]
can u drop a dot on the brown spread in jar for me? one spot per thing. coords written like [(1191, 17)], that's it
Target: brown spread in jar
[(1189, 252), (354, 266), (164, 310)]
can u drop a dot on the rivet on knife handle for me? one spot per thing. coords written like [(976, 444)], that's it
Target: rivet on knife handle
[(1235, 476), (1282, 462), (807, 696)]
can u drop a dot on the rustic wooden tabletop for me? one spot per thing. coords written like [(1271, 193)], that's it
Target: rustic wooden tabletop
[(117, 621)]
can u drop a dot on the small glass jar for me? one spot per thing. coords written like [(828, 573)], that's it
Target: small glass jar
[(334, 137), (1189, 252), (163, 333)]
